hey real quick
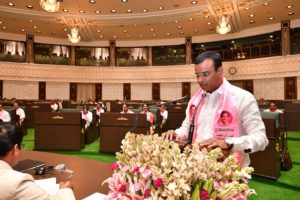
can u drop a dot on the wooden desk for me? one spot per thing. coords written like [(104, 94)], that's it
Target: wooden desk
[(58, 131), (88, 174), (176, 115)]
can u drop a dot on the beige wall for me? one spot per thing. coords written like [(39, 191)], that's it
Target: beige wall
[(21, 89), (112, 91), (170, 91), (271, 88), (141, 91), (57, 90), (194, 88)]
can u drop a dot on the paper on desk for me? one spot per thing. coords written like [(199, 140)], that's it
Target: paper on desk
[(49, 185), (96, 196)]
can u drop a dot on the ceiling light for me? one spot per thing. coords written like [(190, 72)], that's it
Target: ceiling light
[(160, 8), (289, 6), (53, 33), (113, 11), (31, 20), (50, 5), (247, 8), (181, 32), (190, 19), (129, 11), (92, 1), (98, 31), (145, 10), (271, 18), (74, 37), (29, 6), (125, 1), (251, 15), (211, 29), (193, 2), (151, 29), (206, 16), (81, 11), (97, 12), (179, 27), (135, 25), (266, 4), (101, 36), (291, 13), (23, 30), (168, 34), (176, 21), (10, 4), (154, 35), (38, 31), (251, 22), (141, 36), (65, 10), (115, 36), (0, 22), (65, 29), (4, 28), (209, 23), (124, 31), (35, 27), (196, 31), (127, 36), (224, 26)]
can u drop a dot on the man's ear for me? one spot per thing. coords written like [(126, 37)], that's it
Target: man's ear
[(16, 150), (220, 70)]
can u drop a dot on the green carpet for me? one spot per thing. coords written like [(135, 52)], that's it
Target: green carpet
[(286, 187)]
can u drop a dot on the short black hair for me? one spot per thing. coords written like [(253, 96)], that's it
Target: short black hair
[(10, 135), (214, 56)]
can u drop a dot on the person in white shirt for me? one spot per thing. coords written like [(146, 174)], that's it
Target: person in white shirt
[(54, 106), (245, 132), (87, 116), (163, 113), (126, 110), (97, 111), (273, 108), (20, 114), (4, 115), (15, 185)]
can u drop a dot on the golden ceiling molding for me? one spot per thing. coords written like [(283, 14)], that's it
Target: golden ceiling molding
[(271, 67)]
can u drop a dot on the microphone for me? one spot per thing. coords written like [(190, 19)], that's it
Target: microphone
[(192, 125)]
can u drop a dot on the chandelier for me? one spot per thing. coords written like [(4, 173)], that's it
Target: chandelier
[(74, 37), (224, 26), (50, 5)]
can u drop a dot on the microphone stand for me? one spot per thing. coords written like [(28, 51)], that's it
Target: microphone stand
[(192, 125)]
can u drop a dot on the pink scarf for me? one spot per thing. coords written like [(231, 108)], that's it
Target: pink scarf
[(226, 123)]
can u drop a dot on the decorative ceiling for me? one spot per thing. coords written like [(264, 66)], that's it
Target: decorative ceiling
[(141, 19)]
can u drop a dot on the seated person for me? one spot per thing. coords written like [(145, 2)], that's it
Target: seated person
[(4, 115), (16, 185), (162, 122), (87, 116), (150, 115), (18, 115), (97, 111), (126, 110), (273, 108), (54, 106)]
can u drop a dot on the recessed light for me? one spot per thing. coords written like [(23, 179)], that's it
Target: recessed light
[(193, 2), (29, 6), (271, 18), (208, 23), (141, 36), (115, 36), (53, 33), (191, 19), (145, 10), (4, 28), (0, 22), (266, 4), (38, 31), (196, 31), (181, 32), (92, 1), (179, 27), (124, 31), (127, 36), (65, 29), (168, 34), (65, 10), (97, 11), (125, 1), (113, 11), (23, 30), (291, 13), (101, 36), (271, 36), (135, 25), (81, 11), (129, 11), (211, 29), (98, 31), (252, 22), (289, 6), (31, 20), (160, 8), (206, 16), (251, 15), (247, 8), (154, 35), (151, 29), (176, 21), (10, 4), (35, 27)]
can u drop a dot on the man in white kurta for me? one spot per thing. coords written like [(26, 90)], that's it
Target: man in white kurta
[(4, 115), (252, 136)]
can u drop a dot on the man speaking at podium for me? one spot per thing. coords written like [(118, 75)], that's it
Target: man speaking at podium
[(215, 100)]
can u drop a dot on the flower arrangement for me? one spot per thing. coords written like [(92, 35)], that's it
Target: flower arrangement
[(150, 167)]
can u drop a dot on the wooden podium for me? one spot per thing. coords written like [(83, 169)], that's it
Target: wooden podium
[(58, 131), (114, 126)]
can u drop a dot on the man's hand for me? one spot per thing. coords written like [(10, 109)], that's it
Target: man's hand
[(213, 143), (169, 135), (67, 184)]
